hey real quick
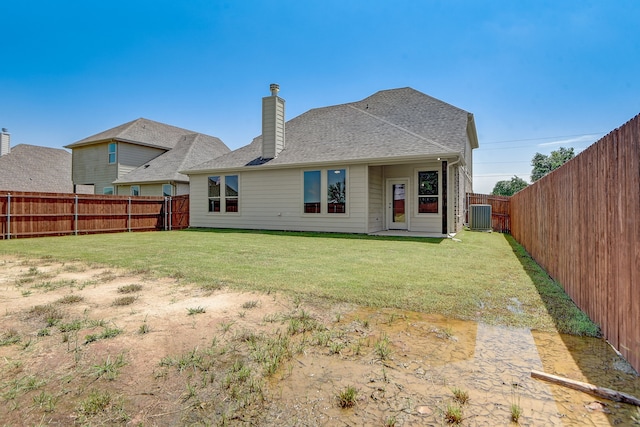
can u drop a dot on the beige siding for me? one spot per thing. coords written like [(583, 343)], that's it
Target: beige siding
[(131, 156), (181, 189), (90, 166), (376, 199), (272, 200), (427, 223)]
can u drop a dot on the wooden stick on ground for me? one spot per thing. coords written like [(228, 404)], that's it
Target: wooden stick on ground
[(607, 393)]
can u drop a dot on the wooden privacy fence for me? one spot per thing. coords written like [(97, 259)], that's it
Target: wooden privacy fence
[(500, 210), (24, 214), (581, 223)]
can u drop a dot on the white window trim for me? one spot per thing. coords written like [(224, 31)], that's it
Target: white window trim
[(223, 197), (324, 187), (416, 196), (115, 153)]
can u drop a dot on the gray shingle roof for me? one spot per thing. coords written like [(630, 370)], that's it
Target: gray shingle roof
[(140, 131), (35, 168), (189, 151), (392, 123)]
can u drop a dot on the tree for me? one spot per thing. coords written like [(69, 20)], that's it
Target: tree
[(542, 164), (509, 188)]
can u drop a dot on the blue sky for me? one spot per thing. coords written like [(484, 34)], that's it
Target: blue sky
[(537, 75)]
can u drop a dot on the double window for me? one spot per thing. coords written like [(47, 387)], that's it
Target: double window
[(113, 152), (428, 192), (325, 191), (223, 193)]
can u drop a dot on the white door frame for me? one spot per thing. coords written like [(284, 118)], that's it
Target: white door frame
[(391, 224)]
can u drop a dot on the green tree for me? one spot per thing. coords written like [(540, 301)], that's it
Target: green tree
[(542, 164), (509, 188)]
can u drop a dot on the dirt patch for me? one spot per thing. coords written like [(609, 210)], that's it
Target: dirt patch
[(96, 345)]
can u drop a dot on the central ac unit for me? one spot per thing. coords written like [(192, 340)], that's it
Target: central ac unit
[(480, 217)]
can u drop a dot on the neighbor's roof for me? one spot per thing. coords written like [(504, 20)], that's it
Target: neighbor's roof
[(189, 151), (396, 123), (34, 168), (140, 131)]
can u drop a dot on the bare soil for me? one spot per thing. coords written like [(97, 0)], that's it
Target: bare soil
[(75, 351)]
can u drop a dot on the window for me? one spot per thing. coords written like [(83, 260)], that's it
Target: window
[(167, 190), (428, 192), (135, 190), (336, 190), (227, 202), (231, 193), (107, 190), (333, 183), (112, 152), (312, 191), (214, 194)]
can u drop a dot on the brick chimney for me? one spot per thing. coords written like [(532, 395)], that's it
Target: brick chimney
[(5, 142), (272, 124)]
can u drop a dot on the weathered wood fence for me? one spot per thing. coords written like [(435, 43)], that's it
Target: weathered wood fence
[(24, 214), (581, 223), (500, 210)]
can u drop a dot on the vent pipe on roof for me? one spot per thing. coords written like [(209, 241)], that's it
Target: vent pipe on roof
[(5, 142), (272, 124)]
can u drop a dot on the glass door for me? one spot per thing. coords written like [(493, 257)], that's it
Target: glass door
[(398, 204)]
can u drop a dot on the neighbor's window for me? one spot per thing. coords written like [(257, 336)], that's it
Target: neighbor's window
[(226, 201), (167, 190), (214, 194), (428, 196), (107, 190), (135, 190), (112, 152), (312, 191), (231, 193), (336, 190)]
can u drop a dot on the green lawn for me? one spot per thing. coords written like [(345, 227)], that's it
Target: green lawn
[(484, 276)]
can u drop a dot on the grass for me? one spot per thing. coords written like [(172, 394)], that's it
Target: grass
[(129, 289), (347, 398), (461, 396), (109, 369), (453, 413), (128, 300), (475, 278), (191, 311)]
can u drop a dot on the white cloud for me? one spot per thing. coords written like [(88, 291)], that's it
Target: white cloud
[(578, 140)]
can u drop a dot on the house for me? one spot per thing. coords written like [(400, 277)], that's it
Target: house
[(33, 168), (397, 160), (141, 157)]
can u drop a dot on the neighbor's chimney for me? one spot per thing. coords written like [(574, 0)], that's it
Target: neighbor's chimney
[(272, 124), (5, 142)]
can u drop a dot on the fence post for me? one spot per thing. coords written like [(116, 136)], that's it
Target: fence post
[(8, 216), (129, 215), (75, 216), (170, 214)]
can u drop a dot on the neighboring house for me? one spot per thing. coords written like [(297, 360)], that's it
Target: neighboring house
[(34, 168), (141, 157), (397, 160)]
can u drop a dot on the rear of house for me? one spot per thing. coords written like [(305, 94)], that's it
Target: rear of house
[(397, 160)]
